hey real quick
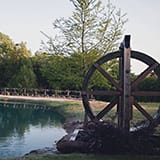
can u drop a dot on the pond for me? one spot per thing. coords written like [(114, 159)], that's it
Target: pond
[(26, 127)]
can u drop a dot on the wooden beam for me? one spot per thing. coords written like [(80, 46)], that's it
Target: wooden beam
[(88, 110), (126, 84), (101, 93), (143, 111), (107, 76), (143, 75), (146, 93), (107, 108), (120, 101)]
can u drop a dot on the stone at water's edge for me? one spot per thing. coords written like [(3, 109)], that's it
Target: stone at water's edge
[(66, 146), (43, 151), (69, 142), (105, 137)]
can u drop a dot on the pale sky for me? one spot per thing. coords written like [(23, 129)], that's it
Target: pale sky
[(22, 20)]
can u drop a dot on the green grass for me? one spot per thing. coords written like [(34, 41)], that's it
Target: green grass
[(89, 157), (150, 105), (44, 102)]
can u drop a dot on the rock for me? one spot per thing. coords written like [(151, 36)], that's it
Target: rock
[(71, 126), (43, 151)]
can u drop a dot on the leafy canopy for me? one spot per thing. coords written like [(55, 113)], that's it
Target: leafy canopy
[(91, 26)]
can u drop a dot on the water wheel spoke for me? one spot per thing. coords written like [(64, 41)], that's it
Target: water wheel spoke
[(143, 111), (143, 75), (146, 93), (107, 76), (88, 109), (107, 108), (101, 93)]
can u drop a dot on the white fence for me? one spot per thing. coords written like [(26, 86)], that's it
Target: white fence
[(40, 92)]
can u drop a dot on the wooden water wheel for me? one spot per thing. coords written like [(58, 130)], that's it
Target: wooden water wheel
[(125, 91)]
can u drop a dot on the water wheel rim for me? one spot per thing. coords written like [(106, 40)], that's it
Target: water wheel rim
[(149, 61)]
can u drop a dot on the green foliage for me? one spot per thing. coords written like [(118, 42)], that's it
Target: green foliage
[(61, 72), (11, 51), (11, 65), (77, 69), (150, 83), (6, 52), (39, 60), (58, 72), (55, 71), (24, 76), (51, 70), (92, 26)]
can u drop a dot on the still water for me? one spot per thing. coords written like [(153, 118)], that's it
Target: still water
[(24, 128)]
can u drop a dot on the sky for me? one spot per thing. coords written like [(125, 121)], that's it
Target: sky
[(22, 20)]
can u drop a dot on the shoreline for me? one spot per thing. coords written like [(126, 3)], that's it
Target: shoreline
[(38, 98), (46, 150)]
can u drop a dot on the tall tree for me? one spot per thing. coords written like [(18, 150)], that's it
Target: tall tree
[(91, 27)]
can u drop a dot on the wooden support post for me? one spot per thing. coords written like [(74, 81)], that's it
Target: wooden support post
[(126, 84), (120, 102), (124, 105)]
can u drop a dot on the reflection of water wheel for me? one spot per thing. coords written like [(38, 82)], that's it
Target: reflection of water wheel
[(125, 93)]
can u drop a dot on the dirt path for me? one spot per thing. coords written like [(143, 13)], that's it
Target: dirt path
[(34, 98)]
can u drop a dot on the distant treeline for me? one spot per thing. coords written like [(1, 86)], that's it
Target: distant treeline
[(20, 69), (64, 73)]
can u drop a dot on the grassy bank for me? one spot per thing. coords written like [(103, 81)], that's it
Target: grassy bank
[(89, 157)]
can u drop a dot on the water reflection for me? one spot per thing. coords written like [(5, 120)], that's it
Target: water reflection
[(26, 128)]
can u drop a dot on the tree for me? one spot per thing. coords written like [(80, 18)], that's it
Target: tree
[(6, 60), (91, 27), (24, 76), (55, 71), (38, 61), (12, 58), (11, 51), (150, 83)]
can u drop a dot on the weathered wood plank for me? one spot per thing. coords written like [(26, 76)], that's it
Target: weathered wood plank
[(143, 111), (126, 84), (143, 75), (107, 108), (101, 93), (146, 93), (107, 76)]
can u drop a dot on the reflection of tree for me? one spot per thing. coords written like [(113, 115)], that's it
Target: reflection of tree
[(17, 120)]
